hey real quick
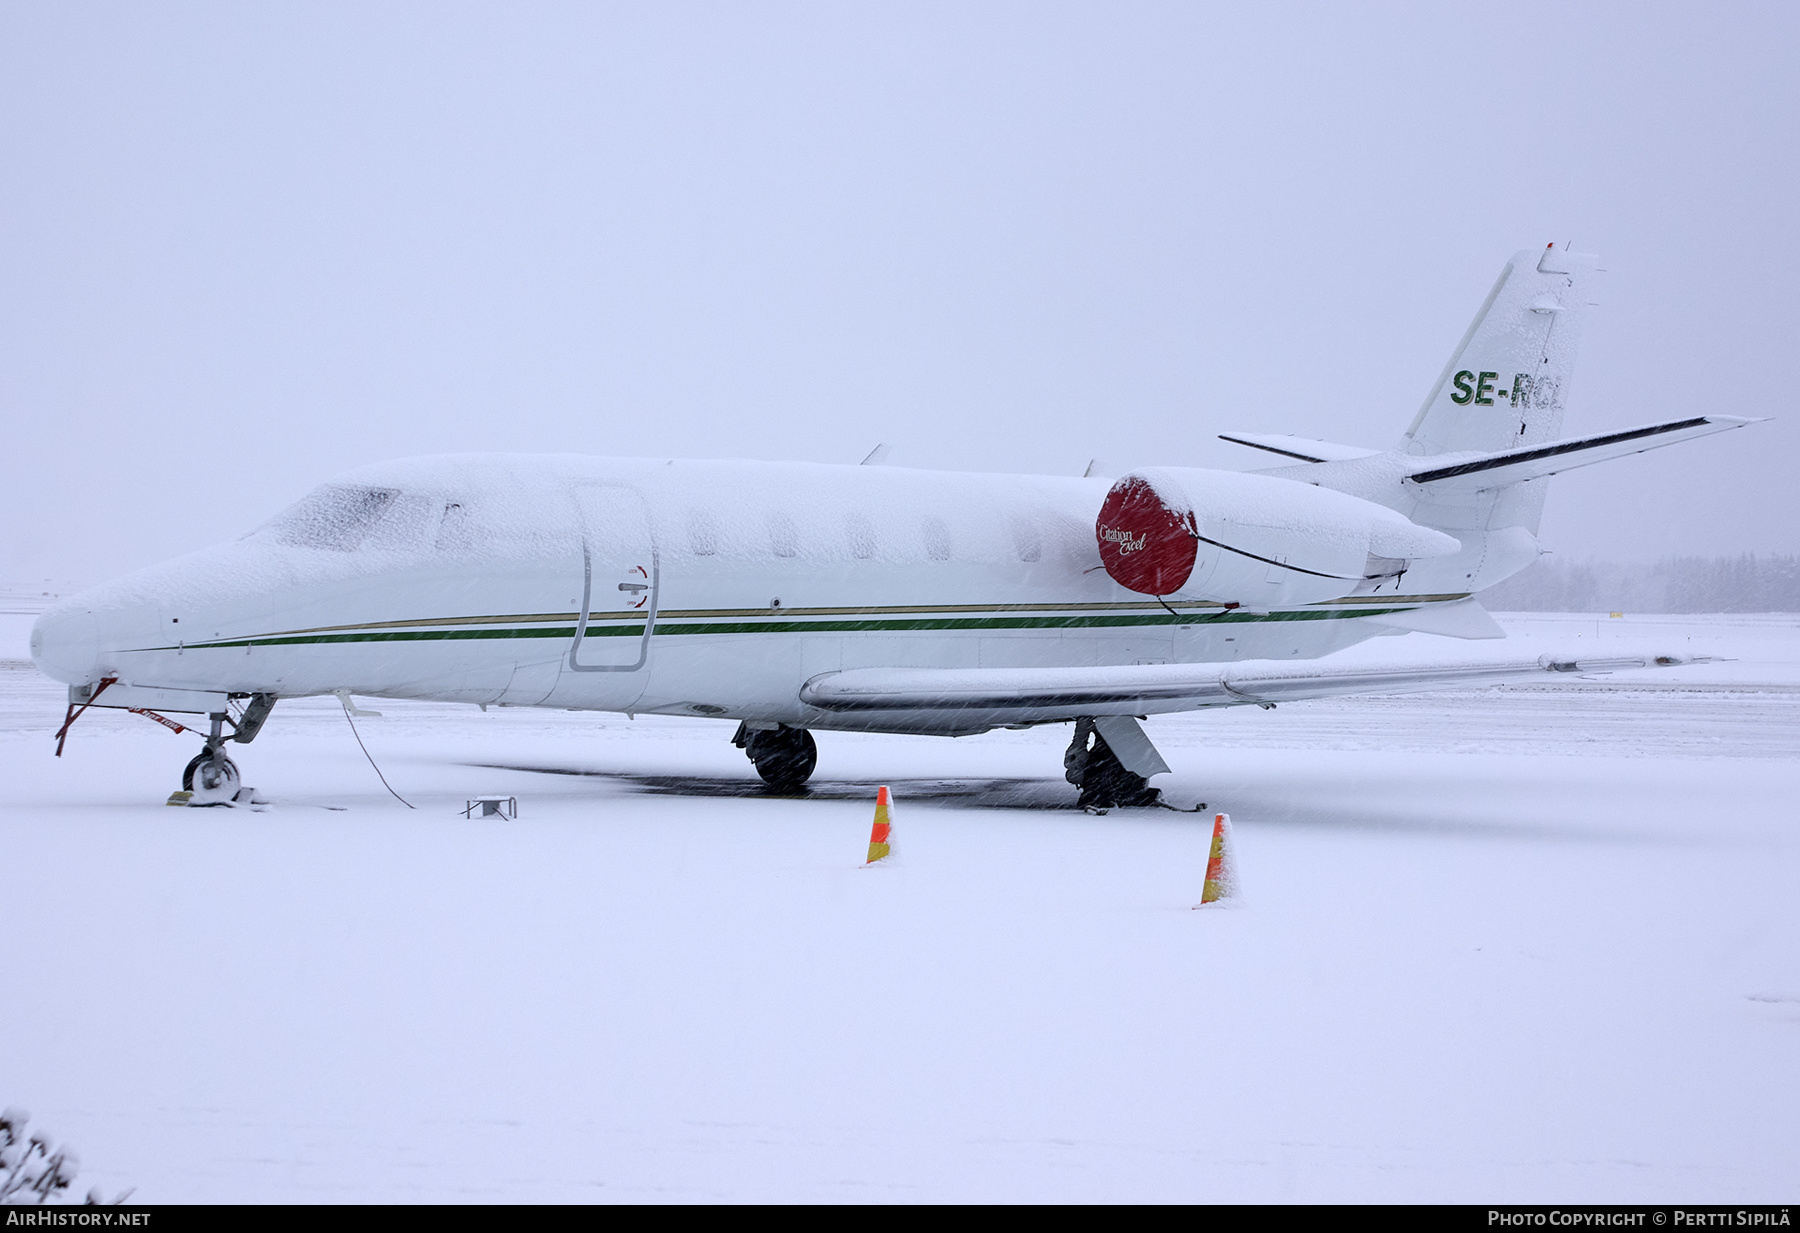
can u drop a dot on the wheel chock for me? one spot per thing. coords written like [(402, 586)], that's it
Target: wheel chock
[(243, 798)]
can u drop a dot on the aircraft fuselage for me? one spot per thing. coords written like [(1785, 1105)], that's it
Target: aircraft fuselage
[(699, 588)]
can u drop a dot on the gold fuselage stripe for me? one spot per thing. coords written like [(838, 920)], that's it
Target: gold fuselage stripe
[(691, 614)]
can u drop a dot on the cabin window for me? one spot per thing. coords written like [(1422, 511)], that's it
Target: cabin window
[(861, 534), (936, 536), (784, 536), (703, 532), (337, 517), (1028, 542)]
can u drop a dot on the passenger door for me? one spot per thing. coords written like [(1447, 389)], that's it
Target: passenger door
[(620, 576)]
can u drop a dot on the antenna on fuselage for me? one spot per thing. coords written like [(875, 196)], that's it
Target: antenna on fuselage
[(878, 456)]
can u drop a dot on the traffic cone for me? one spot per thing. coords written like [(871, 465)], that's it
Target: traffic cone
[(1221, 865), (879, 848)]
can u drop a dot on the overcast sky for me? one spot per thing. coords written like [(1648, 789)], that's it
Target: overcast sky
[(246, 246)]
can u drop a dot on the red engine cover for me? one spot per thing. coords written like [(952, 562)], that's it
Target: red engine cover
[(1144, 544)]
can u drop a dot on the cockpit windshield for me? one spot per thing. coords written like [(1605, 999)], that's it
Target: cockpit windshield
[(337, 516), (349, 517)]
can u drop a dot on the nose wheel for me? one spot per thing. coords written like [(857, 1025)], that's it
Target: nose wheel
[(211, 772), (212, 778)]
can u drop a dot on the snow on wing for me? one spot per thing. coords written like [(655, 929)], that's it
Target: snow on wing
[(1154, 688)]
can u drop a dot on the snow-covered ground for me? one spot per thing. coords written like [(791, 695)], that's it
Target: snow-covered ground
[(1539, 943)]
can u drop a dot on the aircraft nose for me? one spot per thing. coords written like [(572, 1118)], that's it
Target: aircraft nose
[(65, 645)]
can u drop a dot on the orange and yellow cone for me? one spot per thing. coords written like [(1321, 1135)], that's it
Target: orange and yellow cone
[(1221, 869), (879, 847)]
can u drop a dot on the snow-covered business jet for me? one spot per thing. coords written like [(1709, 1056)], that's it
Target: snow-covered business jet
[(794, 596)]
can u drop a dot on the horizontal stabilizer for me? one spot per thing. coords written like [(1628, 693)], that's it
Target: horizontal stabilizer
[(1473, 472), (1303, 448), (1008, 694)]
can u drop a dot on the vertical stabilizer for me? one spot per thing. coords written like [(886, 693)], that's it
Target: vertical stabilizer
[(1504, 386), (1503, 390)]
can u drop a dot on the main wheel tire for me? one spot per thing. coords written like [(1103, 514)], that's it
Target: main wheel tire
[(785, 757), (208, 773), (1106, 784)]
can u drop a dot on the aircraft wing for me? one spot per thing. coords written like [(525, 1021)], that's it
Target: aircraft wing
[(1045, 693)]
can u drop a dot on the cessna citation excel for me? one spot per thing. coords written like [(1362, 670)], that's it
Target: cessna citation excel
[(793, 597)]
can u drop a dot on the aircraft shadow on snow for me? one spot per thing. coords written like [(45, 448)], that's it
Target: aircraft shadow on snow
[(1050, 794), (960, 793)]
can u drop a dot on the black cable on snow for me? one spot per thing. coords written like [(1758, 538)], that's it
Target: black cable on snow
[(366, 754)]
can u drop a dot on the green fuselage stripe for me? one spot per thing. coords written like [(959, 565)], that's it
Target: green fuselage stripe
[(874, 625)]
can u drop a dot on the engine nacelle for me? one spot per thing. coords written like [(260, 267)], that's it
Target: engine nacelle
[(1253, 540)]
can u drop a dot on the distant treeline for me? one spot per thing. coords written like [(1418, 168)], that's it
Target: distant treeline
[(1674, 584)]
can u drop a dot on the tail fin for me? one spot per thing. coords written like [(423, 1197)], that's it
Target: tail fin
[(1504, 385), (1477, 458)]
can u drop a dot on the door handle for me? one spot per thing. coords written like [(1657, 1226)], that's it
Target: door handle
[(633, 587)]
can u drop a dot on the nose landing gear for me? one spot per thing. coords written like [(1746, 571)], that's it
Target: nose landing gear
[(212, 778)]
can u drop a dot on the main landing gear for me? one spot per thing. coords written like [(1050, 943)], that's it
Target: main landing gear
[(213, 777), (784, 756), (1092, 766), (1111, 775)]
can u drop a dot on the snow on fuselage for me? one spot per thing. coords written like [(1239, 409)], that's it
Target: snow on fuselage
[(531, 581)]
